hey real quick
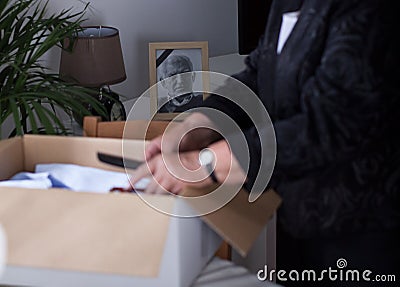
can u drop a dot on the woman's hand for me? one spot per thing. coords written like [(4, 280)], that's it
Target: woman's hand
[(172, 172), (175, 170), (188, 136)]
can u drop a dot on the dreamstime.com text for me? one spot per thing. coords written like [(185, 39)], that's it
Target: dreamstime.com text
[(333, 274)]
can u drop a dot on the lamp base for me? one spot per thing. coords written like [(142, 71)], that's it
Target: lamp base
[(115, 108)]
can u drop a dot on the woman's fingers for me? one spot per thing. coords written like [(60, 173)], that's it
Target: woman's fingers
[(184, 136), (161, 178), (153, 187), (153, 148), (144, 170)]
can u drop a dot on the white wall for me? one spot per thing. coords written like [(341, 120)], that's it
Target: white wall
[(144, 21)]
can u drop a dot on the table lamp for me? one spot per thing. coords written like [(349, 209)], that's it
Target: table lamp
[(96, 61)]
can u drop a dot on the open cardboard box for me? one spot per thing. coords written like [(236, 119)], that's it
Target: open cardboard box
[(63, 238)]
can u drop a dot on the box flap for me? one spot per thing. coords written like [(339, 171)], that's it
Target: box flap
[(77, 150), (239, 222), (59, 229), (12, 157)]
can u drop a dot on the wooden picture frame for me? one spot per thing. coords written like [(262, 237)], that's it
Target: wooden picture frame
[(168, 59)]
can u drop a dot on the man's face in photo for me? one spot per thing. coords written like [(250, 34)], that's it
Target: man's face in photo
[(182, 78)]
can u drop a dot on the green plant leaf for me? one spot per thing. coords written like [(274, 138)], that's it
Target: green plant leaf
[(43, 117), (32, 118), (28, 92), (15, 113)]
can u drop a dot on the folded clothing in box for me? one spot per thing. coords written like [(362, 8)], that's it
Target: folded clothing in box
[(73, 177)]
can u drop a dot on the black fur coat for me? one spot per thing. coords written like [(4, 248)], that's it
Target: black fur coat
[(333, 96)]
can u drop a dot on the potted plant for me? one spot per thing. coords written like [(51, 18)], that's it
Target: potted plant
[(31, 95)]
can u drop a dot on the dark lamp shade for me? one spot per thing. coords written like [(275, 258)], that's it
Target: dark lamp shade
[(96, 58)]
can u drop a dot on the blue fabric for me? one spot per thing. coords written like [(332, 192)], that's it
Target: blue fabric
[(54, 182), (73, 177)]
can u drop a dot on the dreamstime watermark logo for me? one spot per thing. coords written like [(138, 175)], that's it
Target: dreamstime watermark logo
[(244, 99), (338, 273)]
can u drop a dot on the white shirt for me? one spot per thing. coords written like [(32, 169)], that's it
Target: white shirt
[(289, 20)]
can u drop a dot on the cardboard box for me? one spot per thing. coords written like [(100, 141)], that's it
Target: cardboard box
[(63, 238)]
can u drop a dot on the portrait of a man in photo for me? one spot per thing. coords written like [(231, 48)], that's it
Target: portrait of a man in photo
[(176, 77)]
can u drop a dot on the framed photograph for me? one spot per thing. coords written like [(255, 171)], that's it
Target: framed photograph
[(171, 65)]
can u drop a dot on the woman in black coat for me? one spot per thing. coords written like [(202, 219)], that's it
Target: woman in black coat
[(332, 92)]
